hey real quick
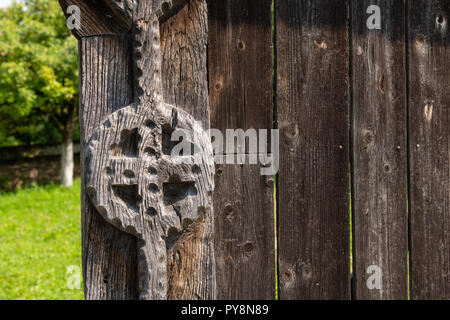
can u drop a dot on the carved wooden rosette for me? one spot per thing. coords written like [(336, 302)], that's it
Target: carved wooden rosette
[(130, 174)]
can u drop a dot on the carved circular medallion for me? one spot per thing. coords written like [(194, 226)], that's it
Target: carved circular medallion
[(135, 173)]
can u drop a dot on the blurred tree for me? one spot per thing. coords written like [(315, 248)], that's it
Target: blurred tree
[(38, 78)]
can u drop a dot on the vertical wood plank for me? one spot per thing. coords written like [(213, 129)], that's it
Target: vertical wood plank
[(109, 255), (184, 40), (312, 42), (380, 149), (245, 247), (240, 85), (184, 37), (429, 102), (240, 64)]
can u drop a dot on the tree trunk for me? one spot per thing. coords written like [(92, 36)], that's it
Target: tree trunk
[(67, 153)]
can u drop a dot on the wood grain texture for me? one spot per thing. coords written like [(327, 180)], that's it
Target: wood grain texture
[(147, 18), (99, 17), (123, 10), (240, 87), (184, 40), (190, 256), (312, 41), (240, 64), (109, 256), (429, 102), (380, 148), (184, 36), (139, 183), (245, 247)]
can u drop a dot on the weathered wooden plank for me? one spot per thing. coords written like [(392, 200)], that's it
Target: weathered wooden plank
[(380, 165), (184, 37), (184, 40), (240, 86), (245, 247), (240, 64), (189, 271), (109, 256), (312, 41), (429, 102)]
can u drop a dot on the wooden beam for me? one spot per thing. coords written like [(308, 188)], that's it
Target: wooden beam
[(380, 153), (313, 104), (117, 271), (240, 86), (429, 118)]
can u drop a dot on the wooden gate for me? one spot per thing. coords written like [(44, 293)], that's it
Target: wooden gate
[(360, 93)]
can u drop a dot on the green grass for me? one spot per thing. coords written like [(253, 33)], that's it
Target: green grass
[(39, 239)]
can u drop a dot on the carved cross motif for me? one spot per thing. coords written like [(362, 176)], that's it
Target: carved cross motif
[(130, 174)]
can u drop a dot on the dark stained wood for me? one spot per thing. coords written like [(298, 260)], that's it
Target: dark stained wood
[(380, 165), (240, 64), (123, 11), (99, 17), (313, 117), (109, 255), (429, 102), (245, 246), (240, 86), (313, 113)]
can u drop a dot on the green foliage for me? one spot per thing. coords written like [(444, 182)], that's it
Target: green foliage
[(39, 239), (38, 72)]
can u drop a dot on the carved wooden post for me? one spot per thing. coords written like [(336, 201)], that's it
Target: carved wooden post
[(132, 175)]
